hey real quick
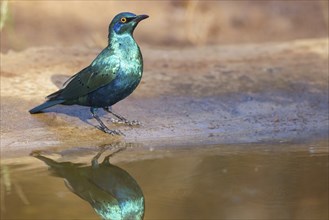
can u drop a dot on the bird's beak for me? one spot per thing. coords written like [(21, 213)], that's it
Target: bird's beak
[(140, 17)]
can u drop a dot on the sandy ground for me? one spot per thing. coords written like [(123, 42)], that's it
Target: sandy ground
[(271, 92)]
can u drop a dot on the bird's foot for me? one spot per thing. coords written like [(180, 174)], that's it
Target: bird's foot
[(109, 131), (120, 119), (102, 126), (126, 122)]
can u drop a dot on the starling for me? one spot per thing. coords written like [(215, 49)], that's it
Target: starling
[(110, 190), (112, 76)]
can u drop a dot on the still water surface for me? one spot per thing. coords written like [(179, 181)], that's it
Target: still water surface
[(208, 182)]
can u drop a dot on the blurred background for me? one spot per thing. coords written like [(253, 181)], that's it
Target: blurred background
[(172, 23)]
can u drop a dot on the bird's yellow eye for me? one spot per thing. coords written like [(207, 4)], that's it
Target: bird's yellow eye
[(123, 20)]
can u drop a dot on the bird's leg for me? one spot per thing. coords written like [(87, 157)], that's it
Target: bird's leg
[(94, 161), (107, 158), (102, 126), (121, 119)]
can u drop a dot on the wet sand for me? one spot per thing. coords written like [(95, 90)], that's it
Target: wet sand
[(271, 92)]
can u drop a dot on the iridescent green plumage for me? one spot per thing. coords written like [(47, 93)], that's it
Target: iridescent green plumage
[(111, 191), (112, 76)]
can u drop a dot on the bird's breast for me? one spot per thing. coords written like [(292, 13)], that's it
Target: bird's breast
[(128, 73)]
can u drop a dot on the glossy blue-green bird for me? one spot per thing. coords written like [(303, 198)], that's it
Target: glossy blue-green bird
[(112, 76), (111, 191)]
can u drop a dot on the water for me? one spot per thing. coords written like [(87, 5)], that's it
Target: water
[(285, 181)]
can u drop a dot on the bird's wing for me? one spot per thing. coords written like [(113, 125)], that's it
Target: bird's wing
[(101, 72)]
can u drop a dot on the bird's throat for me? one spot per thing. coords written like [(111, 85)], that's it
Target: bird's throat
[(126, 49)]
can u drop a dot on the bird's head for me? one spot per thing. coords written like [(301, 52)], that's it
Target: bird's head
[(125, 22)]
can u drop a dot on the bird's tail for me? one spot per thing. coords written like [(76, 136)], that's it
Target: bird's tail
[(45, 105)]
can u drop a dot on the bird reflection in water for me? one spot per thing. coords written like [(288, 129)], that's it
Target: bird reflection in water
[(111, 191)]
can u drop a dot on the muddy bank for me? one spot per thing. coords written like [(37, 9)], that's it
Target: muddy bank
[(210, 95)]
